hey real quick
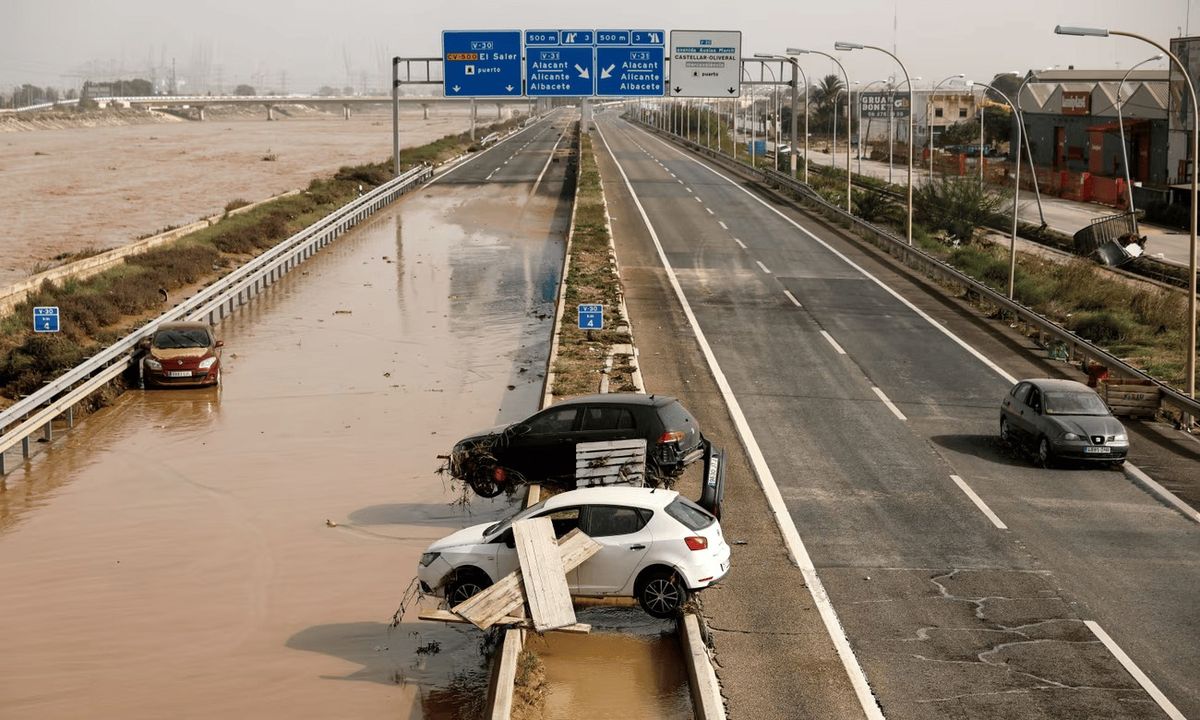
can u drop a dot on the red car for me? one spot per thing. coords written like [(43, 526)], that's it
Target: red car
[(182, 354)]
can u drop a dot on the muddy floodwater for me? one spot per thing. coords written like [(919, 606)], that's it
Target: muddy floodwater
[(69, 189), (239, 552), (629, 668)]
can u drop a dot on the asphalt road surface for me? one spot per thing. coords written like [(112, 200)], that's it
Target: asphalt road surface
[(875, 406)]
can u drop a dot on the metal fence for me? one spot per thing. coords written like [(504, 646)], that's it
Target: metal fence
[(1048, 331), (37, 412)]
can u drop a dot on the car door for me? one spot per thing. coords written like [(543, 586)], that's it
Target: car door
[(624, 539), (1013, 405), (543, 446), (1031, 414)]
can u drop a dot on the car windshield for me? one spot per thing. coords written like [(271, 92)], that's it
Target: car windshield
[(1074, 403), (176, 338), (497, 528)]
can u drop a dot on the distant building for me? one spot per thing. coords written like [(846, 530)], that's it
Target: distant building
[(1071, 120), (938, 110)]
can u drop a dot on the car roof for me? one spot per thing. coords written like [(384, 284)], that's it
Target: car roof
[(183, 325), (649, 498), (1058, 384), (625, 398)]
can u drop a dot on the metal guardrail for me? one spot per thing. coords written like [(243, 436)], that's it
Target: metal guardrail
[(38, 410), (1078, 347)]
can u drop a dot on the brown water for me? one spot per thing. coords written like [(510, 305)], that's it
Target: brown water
[(170, 557), (634, 674)]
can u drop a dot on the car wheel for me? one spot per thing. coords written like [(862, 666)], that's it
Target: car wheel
[(661, 594), (1045, 456), (488, 481), (465, 586), (1005, 432)]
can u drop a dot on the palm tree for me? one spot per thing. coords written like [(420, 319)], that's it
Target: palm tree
[(824, 96)]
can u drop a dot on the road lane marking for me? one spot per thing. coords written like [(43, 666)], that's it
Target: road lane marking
[(1171, 498), (890, 405), (764, 267), (697, 198), (723, 225), (832, 342), (790, 296), (783, 518), (710, 211), (546, 167), (979, 503), (1131, 668), (740, 243), (687, 188), (946, 331)]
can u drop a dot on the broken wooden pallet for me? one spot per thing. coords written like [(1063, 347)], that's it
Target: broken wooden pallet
[(486, 608), (542, 574), (525, 623), (611, 462)]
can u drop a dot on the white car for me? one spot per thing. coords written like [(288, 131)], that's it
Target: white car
[(657, 546)]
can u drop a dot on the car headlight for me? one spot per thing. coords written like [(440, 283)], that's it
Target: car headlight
[(207, 362), (428, 558), (153, 364), (1070, 436), (1119, 437)]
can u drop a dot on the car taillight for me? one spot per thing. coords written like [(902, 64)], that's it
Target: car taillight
[(696, 542), (670, 436)]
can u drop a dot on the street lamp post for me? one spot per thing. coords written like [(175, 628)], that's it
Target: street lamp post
[(795, 92), (1191, 349), (929, 119), (1124, 147), (1037, 193), (1012, 243), (842, 45), (846, 79)]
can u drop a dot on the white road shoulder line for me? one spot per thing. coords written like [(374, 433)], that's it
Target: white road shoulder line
[(740, 243), (687, 188), (783, 518), (764, 267), (723, 225), (546, 167), (697, 198), (890, 405), (1150, 688), (1171, 498), (790, 296), (979, 503), (832, 342)]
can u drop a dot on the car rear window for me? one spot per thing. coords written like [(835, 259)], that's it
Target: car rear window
[(690, 514), (674, 417)]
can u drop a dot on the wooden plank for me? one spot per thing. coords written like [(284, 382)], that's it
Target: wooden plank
[(526, 623), (542, 574), (499, 600), (506, 675)]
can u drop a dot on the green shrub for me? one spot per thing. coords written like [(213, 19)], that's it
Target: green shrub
[(1101, 326), (26, 367), (956, 205)]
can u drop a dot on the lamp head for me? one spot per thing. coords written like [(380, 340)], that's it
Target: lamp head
[(843, 45), (1080, 31), (797, 51)]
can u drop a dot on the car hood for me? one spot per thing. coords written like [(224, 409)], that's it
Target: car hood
[(176, 353), (475, 436), (1089, 424), (467, 536)]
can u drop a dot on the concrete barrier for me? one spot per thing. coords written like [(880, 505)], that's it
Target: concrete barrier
[(707, 703)]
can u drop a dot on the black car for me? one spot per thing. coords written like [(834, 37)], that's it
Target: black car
[(1062, 419), (541, 447)]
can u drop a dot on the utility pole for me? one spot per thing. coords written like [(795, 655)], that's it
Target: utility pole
[(396, 116)]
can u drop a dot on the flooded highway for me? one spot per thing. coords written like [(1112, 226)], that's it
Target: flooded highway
[(240, 551)]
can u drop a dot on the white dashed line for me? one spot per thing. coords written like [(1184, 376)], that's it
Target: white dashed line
[(1150, 688), (697, 198), (679, 181), (685, 187), (832, 342), (890, 405), (790, 296), (710, 211), (979, 503), (764, 267), (723, 225), (740, 243)]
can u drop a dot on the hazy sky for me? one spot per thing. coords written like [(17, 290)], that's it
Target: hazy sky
[(309, 43)]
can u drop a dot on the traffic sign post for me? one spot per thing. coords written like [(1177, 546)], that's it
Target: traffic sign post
[(45, 319), (482, 63), (706, 63), (591, 317)]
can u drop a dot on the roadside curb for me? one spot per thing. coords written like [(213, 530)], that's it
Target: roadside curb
[(1147, 483), (560, 300), (707, 703)]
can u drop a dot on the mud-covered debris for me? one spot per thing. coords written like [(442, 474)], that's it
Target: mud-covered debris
[(343, 312), (330, 523)]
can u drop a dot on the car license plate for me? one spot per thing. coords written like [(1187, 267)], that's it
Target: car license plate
[(179, 373), (1101, 450)]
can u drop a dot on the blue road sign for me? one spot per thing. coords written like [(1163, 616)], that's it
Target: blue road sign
[(541, 37), (576, 37), (559, 71), (612, 37), (45, 319), (630, 71), (482, 63), (591, 317), (647, 37)]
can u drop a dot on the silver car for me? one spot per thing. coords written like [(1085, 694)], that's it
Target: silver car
[(1062, 420)]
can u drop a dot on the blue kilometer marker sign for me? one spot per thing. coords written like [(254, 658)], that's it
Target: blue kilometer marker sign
[(45, 319), (591, 317), (482, 63)]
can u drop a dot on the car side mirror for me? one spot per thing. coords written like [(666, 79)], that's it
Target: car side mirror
[(220, 343), (144, 343)]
